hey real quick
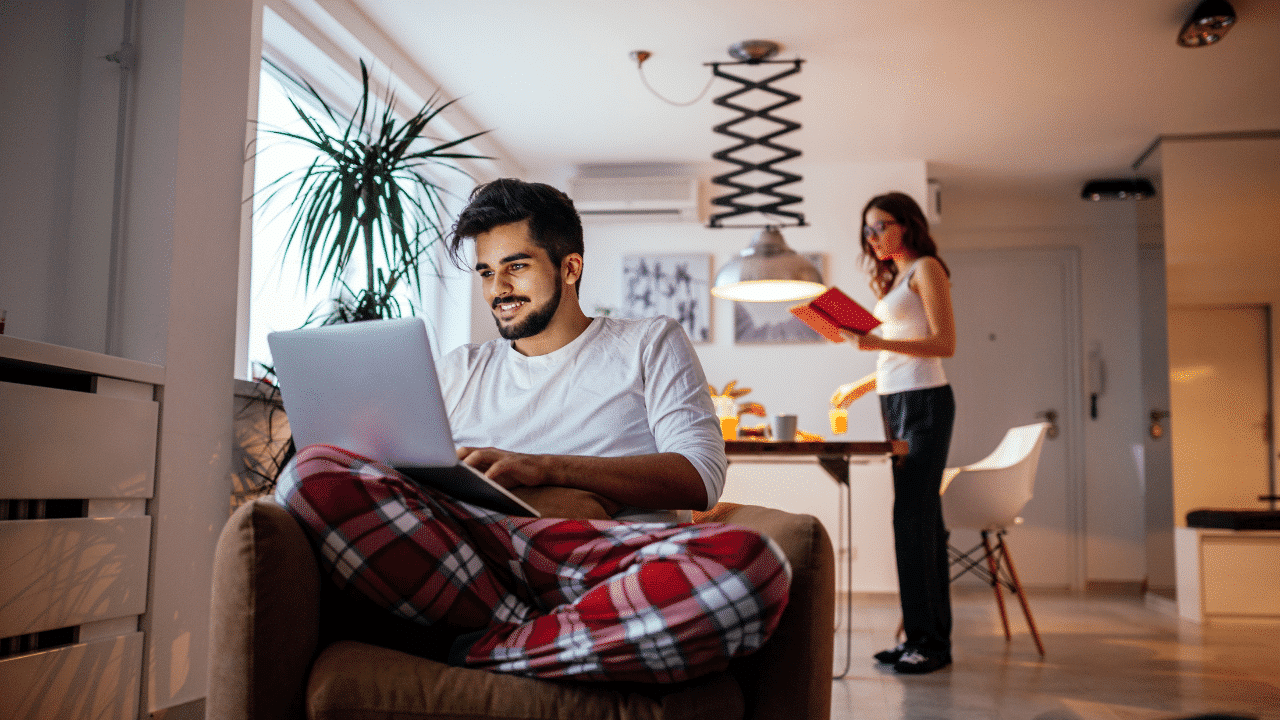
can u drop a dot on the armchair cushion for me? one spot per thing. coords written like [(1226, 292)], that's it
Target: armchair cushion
[(354, 680)]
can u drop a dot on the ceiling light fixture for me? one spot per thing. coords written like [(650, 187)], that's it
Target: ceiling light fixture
[(753, 51), (1208, 23), (1117, 189), (768, 270)]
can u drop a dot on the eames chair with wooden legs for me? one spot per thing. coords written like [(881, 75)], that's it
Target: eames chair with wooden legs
[(987, 496)]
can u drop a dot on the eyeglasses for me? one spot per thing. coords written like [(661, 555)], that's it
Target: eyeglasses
[(877, 229)]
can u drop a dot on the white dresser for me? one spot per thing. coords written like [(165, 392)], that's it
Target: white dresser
[(78, 443)]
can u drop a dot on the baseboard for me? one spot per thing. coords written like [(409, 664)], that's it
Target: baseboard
[(193, 710), (1136, 588), (1162, 600)]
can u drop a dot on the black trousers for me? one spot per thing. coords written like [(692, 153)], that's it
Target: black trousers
[(924, 419)]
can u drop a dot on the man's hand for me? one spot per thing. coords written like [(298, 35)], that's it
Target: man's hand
[(658, 481), (529, 478), (508, 469)]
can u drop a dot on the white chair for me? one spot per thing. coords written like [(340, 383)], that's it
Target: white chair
[(987, 496)]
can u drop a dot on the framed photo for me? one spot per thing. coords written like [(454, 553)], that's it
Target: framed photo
[(678, 286), (762, 323)]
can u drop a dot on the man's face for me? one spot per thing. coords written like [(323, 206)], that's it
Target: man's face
[(518, 279)]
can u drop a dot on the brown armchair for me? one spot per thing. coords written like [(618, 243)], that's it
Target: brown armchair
[(285, 645)]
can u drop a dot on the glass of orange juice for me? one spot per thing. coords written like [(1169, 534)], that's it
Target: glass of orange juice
[(727, 411), (729, 427), (839, 420)]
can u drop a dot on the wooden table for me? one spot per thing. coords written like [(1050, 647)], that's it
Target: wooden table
[(834, 457)]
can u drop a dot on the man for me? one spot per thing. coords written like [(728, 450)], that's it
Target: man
[(563, 407), (617, 408)]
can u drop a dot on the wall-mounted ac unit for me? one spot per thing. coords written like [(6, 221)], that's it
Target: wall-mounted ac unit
[(933, 203), (636, 199)]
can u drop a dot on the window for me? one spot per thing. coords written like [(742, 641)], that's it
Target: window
[(278, 298)]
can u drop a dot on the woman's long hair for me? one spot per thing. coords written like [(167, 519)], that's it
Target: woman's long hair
[(915, 238)]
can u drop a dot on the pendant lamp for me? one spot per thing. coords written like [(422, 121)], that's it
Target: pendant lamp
[(768, 270)]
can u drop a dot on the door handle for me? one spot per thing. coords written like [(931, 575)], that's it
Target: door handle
[(1051, 417), (1157, 430)]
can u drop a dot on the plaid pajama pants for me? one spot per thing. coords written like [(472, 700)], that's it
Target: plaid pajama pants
[(550, 598)]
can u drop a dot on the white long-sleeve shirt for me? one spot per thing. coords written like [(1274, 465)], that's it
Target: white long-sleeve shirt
[(621, 388)]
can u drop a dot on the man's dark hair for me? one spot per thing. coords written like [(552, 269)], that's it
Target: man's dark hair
[(554, 224)]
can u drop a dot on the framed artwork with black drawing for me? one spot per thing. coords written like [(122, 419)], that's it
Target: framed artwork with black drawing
[(772, 322), (675, 285)]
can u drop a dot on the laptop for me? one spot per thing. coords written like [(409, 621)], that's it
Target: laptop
[(371, 388)]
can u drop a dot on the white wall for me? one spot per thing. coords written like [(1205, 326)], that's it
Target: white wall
[(1222, 218), (58, 144), (179, 306)]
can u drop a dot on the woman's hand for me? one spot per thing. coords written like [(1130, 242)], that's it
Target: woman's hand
[(863, 341), (846, 394)]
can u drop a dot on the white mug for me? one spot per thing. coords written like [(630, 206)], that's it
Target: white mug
[(784, 427)]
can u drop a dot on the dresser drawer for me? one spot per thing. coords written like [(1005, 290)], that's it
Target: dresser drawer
[(65, 444), (67, 572), (97, 679)]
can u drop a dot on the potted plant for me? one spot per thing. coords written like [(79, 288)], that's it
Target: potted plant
[(367, 194)]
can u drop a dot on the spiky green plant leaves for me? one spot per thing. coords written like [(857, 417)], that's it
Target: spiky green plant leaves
[(370, 190)]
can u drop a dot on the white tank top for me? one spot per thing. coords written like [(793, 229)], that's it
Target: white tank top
[(901, 311)]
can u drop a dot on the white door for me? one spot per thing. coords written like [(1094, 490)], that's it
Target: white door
[(1220, 425), (1017, 358)]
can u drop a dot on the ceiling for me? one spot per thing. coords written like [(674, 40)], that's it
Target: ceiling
[(1042, 94)]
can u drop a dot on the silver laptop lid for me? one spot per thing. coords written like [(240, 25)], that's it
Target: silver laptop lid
[(368, 387)]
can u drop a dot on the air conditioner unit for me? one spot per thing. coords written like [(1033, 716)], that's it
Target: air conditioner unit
[(636, 199), (933, 204)]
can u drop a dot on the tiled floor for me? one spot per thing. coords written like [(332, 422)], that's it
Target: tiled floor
[(1107, 658)]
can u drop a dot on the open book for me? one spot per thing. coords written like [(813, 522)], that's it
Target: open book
[(833, 310)]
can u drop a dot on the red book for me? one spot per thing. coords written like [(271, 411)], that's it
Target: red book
[(833, 310)]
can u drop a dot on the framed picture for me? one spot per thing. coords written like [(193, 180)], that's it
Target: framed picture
[(761, 323), (678, 286)]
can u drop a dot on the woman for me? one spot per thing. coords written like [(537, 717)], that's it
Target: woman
[(917, 330)]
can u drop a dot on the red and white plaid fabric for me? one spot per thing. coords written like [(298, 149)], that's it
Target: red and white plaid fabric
[(551, 598)]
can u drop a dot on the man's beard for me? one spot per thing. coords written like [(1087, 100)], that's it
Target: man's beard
[(537, 320)]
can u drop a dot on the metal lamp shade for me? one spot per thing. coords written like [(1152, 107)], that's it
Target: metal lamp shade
[(768, 271)]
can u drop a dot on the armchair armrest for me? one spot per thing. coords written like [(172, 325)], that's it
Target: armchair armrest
[(264, 620), (790, 676)]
